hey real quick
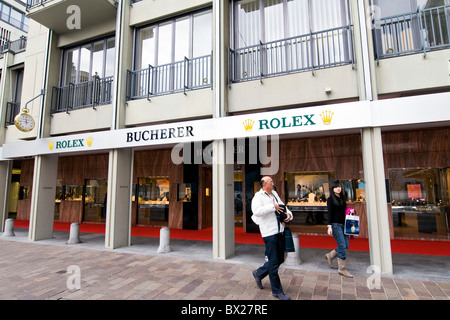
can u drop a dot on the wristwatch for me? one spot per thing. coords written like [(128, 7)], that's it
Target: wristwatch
[(24, 121)]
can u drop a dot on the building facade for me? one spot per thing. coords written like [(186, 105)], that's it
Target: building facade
[(168, 112)]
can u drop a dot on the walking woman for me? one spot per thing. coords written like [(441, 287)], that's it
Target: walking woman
[(336, 205)]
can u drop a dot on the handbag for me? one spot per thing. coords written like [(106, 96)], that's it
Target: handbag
[(289, 242), (351, 226)]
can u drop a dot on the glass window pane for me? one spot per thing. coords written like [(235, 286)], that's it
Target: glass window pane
[(248, 30), (5, 12), (147, 45), (327, 14), (110, 57), (390, 8), (182, 39), (71, 66), (97, 58), (85, 63), (298, 18), (273, 20), (16, 18), (165, 44), (202, 34)]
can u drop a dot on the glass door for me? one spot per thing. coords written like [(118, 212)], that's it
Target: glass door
[(95, 200)]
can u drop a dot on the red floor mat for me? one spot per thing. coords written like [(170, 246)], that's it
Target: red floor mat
[(440, 248)]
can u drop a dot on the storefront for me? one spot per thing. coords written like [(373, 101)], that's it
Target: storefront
[(418, 182), (171, 182)]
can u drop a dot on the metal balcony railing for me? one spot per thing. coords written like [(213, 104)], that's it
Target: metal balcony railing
[(412, 32), (35, 3), (12, 110), (82, 95), (174, 77), (308, 52), (15, 46)]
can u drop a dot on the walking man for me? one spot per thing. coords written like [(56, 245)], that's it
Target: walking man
[(270, 214)]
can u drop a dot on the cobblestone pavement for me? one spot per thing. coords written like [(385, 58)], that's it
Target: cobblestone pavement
[(33, 271)]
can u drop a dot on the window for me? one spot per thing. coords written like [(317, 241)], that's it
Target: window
[(420, 202), (171, 41), (13, 17), (172, 56), (270, 20), (86, 76), (272, 37), (81, 64), (153, 200), (408, 26)]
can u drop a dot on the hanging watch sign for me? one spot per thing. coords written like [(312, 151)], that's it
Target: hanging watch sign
[(24, 121)]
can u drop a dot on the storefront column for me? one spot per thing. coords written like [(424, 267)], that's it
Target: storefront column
[(118, 203), (43, 193), (372, 149), (5, 185), (377, 209), (223, 203)]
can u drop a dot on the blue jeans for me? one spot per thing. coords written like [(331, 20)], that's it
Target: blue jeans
[(341, 240), (275, 254)]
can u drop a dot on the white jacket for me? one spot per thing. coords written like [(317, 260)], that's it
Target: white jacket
[(263, 209)]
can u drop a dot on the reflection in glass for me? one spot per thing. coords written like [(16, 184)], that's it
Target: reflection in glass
[(420, 202), (95, 200), (153, 200)]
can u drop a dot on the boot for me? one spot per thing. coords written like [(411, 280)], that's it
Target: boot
[(330, 256), (342, 269)]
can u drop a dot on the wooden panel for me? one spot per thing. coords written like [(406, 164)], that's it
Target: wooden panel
[(26, 174), (417, 148), (70, 211), (158, 163)]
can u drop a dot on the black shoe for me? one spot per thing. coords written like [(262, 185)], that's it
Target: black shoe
[(257, 280), (281, 296)]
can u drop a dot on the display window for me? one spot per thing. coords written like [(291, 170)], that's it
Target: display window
[(307, 194), (95, 200), (153, 200), (420, 202)]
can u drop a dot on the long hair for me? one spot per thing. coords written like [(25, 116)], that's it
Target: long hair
[(341, 200)]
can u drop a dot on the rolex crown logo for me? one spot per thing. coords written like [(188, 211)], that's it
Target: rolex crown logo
[(89, 141), (248, 124), (51, 144), (326, 117)]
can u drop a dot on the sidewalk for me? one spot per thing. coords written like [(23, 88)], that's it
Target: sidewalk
[(39, 270)]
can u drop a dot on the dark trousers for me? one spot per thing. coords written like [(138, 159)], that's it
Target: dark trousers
[(275, 254)]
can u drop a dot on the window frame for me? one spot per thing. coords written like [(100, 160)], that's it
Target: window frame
[(137, 56), (77, 48)]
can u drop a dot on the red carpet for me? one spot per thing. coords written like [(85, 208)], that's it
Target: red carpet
[(439, 248)]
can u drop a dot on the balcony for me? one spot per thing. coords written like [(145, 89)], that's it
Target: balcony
[(308, 52), (412, 32), (82, 95), (58, 15), (174, 77), (15, 46)]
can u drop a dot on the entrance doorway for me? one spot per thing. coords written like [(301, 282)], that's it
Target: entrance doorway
[(205, 197), (94, 198)]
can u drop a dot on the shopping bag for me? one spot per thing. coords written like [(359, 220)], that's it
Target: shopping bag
[(351, 227), (289, 242)]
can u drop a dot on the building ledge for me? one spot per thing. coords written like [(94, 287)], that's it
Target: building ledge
[(59, 16)]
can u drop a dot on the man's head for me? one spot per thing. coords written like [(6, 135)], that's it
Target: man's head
[(267, 184)]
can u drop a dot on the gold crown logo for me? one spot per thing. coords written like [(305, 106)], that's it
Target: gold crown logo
[(51, 144), (326, 117), (248, 124), (89, 141)]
